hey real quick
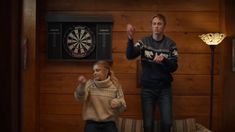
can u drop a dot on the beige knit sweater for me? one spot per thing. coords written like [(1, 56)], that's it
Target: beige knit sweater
[(97, 96)]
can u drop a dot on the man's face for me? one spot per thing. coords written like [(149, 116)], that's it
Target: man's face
[(100, 73), (158, 26)]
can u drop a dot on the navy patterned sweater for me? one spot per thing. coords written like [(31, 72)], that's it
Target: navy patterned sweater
[(154, 73)]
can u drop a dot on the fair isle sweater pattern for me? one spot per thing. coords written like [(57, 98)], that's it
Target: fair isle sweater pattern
[(97, 96), (147, 48)]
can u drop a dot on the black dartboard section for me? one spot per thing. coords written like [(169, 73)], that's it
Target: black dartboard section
[(79, 37)]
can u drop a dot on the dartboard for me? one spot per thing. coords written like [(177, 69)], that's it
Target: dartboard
[(79, 41)]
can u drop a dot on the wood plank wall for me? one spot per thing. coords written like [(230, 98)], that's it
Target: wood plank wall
[(229, 75), (59, 112)]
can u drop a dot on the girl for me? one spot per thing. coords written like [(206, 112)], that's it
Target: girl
[(103, 99)]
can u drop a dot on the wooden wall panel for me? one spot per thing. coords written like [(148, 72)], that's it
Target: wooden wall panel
[(229, 75), (185, 21), (188, 64), (133, 5), (122, 65), (192, 85), (176, 21), (61, 123), (52, 104), (182, 85), (192, 45), (29, 88), (57, 104)]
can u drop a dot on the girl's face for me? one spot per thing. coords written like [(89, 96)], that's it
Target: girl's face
[(100, 73)]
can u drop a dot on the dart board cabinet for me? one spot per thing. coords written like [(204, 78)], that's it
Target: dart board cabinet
[(77, 37)]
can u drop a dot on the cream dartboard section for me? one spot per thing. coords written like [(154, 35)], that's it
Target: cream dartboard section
[(79, 41)]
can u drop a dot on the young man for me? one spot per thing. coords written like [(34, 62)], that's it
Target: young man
[(158, 60)]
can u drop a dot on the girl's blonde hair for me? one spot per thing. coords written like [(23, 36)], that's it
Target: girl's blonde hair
[(107, 66)]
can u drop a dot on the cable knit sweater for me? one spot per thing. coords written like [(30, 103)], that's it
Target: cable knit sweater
[(97, 97)]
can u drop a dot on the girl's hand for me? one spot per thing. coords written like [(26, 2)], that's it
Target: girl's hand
[(114, 104), (81, 79)]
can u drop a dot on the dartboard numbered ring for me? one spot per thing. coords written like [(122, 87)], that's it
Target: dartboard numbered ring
[(79, 41)]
